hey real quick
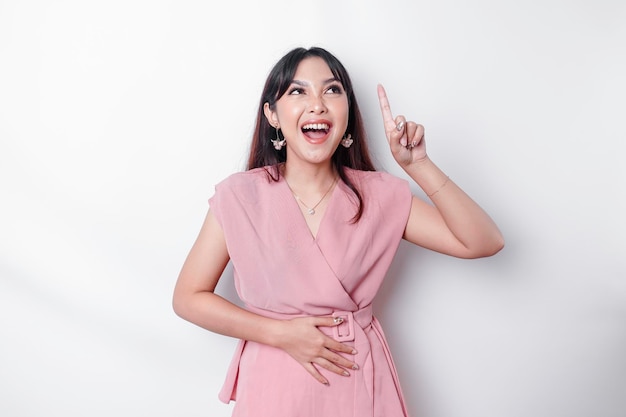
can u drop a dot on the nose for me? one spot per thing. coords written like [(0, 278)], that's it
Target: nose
[(317, 105)]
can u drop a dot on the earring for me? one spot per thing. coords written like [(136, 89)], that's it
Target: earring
[(347, 141), (278, 143)]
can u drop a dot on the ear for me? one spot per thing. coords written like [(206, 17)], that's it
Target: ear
[(270, 115)]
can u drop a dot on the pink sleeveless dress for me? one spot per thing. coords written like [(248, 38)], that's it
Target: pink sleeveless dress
[(282, 271)]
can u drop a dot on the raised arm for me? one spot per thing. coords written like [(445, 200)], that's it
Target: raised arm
[(454, 224), (195, 301)]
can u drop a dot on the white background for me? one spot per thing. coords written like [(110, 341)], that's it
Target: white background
[(117, 118)]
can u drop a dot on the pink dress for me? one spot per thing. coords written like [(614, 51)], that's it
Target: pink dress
[(282, 271)]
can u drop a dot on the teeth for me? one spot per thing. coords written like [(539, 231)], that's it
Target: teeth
[(316, 126)]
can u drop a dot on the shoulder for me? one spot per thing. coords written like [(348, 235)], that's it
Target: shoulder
[(386, 197), (382, 189), (376, 180), (247, 179), (240, 191), (246, 176)]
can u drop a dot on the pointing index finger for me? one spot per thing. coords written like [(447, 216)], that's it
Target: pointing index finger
[(385, 108)]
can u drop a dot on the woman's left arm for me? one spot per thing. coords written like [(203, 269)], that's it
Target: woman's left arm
[(454, 224)]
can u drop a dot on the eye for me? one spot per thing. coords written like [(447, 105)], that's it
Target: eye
[(294, 91), (335, 89)]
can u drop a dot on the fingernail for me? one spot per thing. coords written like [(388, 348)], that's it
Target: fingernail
[(399, 126), (338, 320), (354, 352), (326, 383), (355, 366), (346, 373)]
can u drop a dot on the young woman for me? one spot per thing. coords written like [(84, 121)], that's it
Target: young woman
[(311, 229)]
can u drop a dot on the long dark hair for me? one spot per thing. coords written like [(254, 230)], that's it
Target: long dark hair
[(262, 152)]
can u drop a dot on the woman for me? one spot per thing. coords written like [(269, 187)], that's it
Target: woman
[(311, 229)]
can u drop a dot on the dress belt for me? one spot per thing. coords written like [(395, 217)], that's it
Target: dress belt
[(344, 332)]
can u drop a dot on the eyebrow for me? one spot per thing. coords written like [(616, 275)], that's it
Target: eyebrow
[(304, 83)]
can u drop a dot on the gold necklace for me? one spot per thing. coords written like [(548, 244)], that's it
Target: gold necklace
[(311, 210)]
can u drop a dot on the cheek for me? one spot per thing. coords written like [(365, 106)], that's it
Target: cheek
[(287, 108), (342, 112), (290, 114), (344, 107)]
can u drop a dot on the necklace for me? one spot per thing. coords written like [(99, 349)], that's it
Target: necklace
[(311, 210)]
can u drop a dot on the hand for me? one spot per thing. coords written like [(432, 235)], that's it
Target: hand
[(406, 139), (304, 342)]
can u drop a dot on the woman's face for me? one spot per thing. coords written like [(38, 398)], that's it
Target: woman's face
[(312, 114)]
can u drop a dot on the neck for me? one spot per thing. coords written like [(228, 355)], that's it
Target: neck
[(309, 176), (311, 186)]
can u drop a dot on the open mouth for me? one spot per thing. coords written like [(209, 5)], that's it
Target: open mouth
[(315, 130)]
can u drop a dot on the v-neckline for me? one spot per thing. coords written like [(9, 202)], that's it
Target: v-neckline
[(302, 219)]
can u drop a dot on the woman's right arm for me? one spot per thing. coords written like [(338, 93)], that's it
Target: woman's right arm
[(195, 301)]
